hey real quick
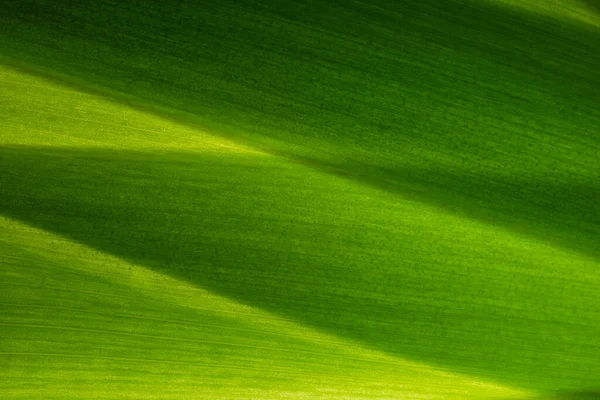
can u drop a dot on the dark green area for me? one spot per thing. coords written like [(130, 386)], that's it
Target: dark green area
[(489, 113), (594, 5), (579, 395), (588, 395), (337, 258)]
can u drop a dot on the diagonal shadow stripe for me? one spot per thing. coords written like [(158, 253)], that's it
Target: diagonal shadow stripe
[(457, 85), (409, 281), (529, 206)]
